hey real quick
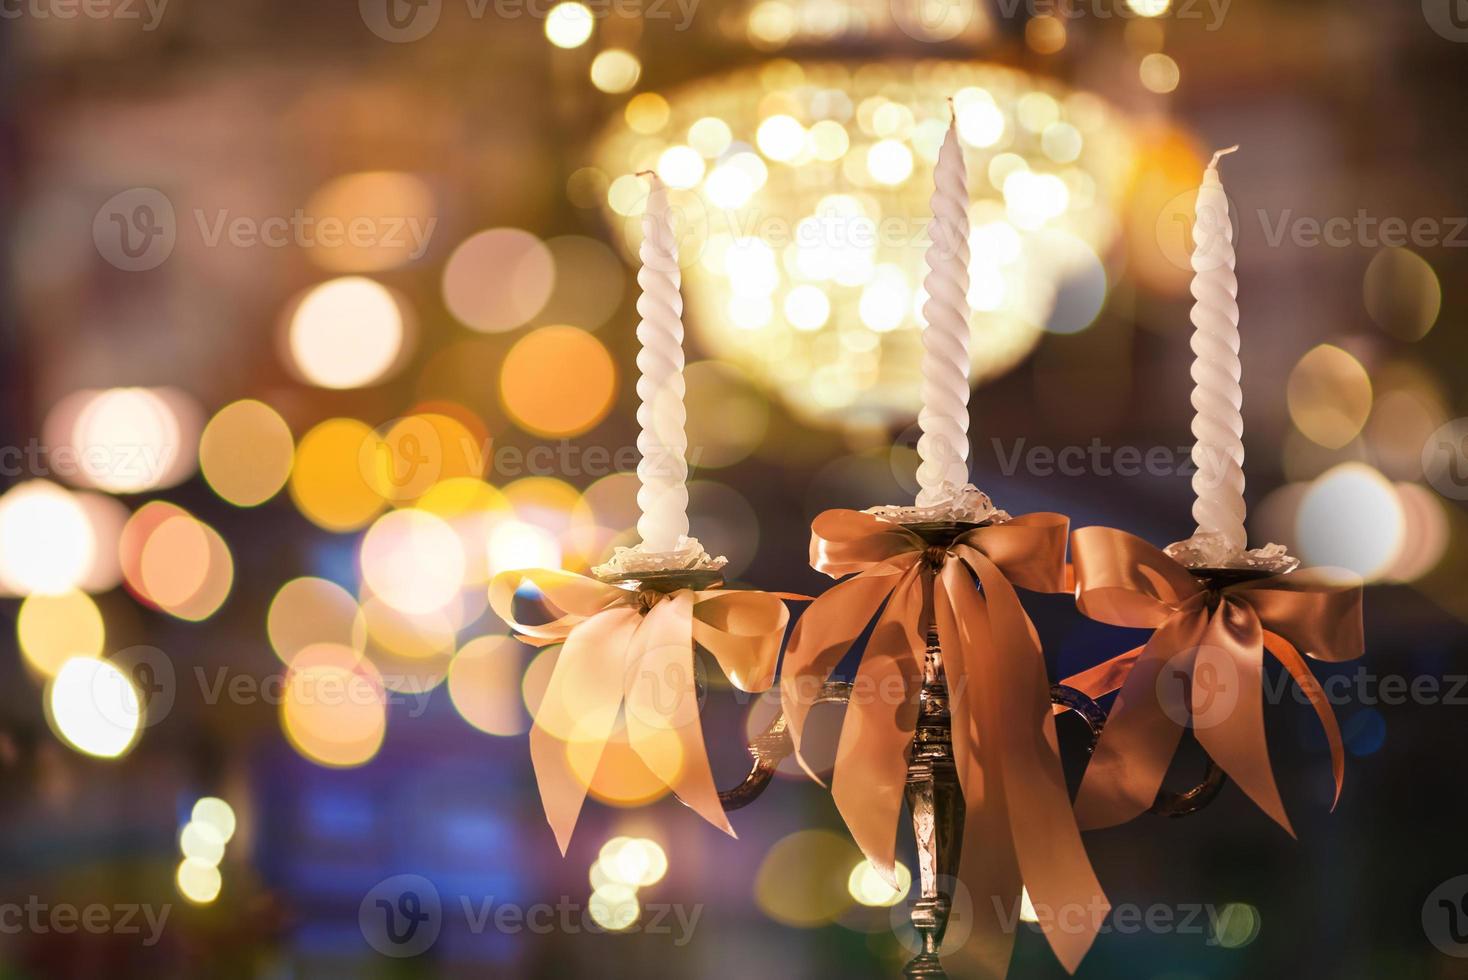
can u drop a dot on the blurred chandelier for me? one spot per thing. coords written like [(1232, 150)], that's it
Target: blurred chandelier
[(801, 188)]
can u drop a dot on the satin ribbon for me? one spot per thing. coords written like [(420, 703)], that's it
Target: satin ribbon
[(1202, 667), (631, 652), (1020, 831)]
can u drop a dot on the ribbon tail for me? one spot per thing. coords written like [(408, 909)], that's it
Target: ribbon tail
[(870, 776), (1232, 652), (821, 637), (1102, 679), (988, 864), (580, 705), (662, 706), (1284, 651), (1142, 731), (1052, 859)]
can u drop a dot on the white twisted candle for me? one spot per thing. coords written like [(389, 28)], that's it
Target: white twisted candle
[(943, 446), (663, 470), (1218, 428)]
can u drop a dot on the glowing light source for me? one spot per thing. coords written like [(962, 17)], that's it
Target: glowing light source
[(1402, 293), (569, 25), (94, 707), (515, 544), (333, 708), (213, 812), (1159, 73), (46, 543), (836, 150), (615, 71), (306, 611), (484, 684), (869, 888), (201, 842), (198, 881), (128, 440), (327, 482), (346, 333), (680, 166), (412, 560), (1356, 496)]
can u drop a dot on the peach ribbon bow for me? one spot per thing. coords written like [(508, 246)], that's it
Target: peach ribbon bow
[(632, 650), (1020, 831), (1203, 666)]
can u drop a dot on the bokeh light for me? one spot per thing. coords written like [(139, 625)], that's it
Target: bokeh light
[(413, 560), (484, 683), (46, 542), (569, 25), (371, 221), (558, 381), (306, 611), (211, 811), (498, 279), (333, 707), (1358, 498), (802, 880), (1402, 293), (327, 482), (184, 567), (1329, 396), (347, 333), (869, 888), (198, 881), (52, 629), (94, 708), (615, 71), (246, 452)]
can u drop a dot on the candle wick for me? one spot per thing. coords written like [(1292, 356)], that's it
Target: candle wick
[(1213, 164), (646, 173), (952, 112)]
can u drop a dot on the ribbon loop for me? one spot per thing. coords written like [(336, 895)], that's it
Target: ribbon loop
[(1020, 829), (628, 654), (1214, 641)]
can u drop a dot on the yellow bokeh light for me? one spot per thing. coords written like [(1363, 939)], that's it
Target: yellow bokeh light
[(1045, 34), (94, 707), (333, 708), (1329, 396), (620, 777), (516, 544), (327, 483), (1402, 293), (419, 451), (569, 25), (347, 333), (615, 71), (634, 862), (413, 561), (1159, 73), (198, 881), (246, 453), (46, 542), (211, 811), (1148, 8), (371, 221), (484, 684), (680, 166), (307, 611), (646, 112), (780, 137), (201, 842), (802, 880), (710, 136), (889, 162), (558, 381), (869, 888), (52, 629), (614, 907)]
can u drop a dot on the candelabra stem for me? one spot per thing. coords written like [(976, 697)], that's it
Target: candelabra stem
[(935, 800)]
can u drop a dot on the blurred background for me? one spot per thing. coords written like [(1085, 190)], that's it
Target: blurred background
[(319, 315)]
